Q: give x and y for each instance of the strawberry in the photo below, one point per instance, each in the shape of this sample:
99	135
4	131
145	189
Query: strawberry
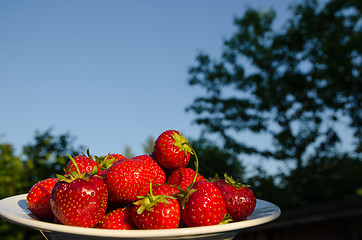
183	177
149	164
126	179
107	161
115	156
118	219
203	205
239	199
38	199
79	199
85	163
172	150
156	212
165	189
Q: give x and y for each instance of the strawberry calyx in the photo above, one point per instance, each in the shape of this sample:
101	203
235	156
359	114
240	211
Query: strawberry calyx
73	175
226	219
235	183
183	196
106	162
214	179
182	143
88	155
148	201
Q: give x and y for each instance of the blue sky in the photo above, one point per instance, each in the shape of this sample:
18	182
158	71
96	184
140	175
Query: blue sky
111	73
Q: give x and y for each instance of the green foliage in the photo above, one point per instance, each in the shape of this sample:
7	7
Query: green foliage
322	179
128	152
48	155
12	172
148	146
12	182
42	159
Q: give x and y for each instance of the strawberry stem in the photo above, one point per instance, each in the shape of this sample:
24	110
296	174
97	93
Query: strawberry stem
196	166
151	197
75	165
193	152
184	145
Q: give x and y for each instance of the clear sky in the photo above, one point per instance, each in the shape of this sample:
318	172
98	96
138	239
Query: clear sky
111	73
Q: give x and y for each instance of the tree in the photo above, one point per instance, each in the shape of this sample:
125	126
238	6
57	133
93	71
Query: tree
128	152
12	182
301	82
48	155
147	148
321	180
42	159
148	145
12	172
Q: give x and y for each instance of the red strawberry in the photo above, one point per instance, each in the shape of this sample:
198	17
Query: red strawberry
86	164
172	150
183	177
239	199
116	156
156	212
118	219
149	164
38	199
107	161
165	189
203	205
126	179
79	199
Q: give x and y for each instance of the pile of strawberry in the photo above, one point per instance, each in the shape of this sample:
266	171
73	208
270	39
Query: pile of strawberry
154	191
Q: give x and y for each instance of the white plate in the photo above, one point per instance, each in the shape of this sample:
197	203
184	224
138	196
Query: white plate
14	209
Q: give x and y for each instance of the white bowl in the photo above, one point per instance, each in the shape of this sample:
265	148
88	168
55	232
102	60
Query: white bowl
14	209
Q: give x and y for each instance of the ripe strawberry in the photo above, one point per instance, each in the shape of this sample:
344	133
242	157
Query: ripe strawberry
149	164
172	150
126	179
239	199
86	164
203	205
116	156
165	189
156	212
183	177
107	161
79	199
118	219
38	199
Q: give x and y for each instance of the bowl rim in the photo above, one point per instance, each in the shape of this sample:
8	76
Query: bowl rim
14	209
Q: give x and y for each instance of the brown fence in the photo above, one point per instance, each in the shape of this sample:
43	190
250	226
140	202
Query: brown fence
332	221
